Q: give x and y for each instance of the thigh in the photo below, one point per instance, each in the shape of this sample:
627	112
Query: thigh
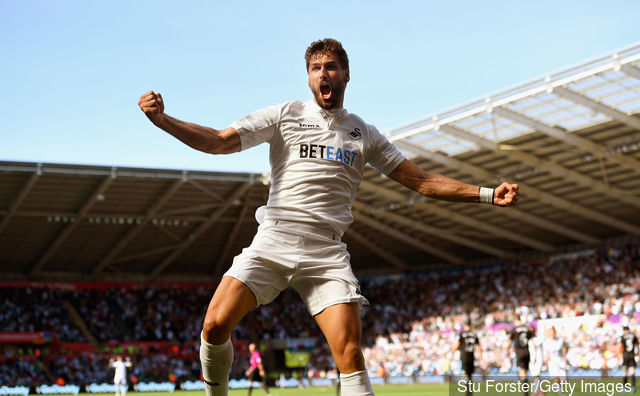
341	326
231	301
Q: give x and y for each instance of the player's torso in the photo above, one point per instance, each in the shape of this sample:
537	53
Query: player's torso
629	343
255	359
469	342
319	141
521	338
553	347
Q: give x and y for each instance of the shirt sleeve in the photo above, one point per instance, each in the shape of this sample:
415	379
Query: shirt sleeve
258	127
381	154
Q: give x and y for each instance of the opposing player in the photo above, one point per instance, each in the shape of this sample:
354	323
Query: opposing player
555	350
629	347
537	359
255	373
520	336
120	376
318	151
468	342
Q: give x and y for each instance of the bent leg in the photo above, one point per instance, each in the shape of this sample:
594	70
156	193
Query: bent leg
341	326
229	304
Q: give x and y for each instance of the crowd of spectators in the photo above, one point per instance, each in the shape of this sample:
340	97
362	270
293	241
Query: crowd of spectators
410	327
16	370
36	309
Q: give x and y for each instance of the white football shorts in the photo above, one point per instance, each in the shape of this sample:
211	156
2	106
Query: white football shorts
535	366
310	258
557	369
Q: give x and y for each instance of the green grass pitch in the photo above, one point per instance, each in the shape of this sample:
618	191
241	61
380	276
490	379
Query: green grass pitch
387	390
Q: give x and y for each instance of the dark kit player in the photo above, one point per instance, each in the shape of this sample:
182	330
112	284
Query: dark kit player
629	345
520	336
467	345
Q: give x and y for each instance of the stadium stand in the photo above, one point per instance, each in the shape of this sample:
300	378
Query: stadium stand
410	327
570	256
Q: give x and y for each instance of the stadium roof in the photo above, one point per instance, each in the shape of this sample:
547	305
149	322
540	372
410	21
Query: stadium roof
570	139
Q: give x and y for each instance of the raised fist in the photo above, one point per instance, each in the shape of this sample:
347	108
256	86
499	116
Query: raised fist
152	105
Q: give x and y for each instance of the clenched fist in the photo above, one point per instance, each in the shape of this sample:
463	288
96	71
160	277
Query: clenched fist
506	194
152	105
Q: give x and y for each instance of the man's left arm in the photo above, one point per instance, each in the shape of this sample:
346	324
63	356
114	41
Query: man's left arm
440	187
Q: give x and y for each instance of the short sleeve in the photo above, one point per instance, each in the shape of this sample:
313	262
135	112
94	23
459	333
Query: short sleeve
381	154
258	127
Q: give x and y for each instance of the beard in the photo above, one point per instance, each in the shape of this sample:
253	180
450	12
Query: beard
337	93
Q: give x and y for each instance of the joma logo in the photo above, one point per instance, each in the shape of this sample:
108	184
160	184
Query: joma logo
302	125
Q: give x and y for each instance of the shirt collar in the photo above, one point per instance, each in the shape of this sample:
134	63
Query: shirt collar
333	113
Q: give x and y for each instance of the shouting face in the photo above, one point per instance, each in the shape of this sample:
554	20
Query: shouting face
327	80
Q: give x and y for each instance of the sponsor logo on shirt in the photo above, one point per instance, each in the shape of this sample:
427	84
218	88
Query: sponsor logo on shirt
355	134
303	125
327	152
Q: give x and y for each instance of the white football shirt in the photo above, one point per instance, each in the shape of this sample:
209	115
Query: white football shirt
317	160
121	370
553	348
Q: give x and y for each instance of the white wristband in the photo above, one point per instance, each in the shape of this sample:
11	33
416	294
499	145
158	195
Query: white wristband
486	195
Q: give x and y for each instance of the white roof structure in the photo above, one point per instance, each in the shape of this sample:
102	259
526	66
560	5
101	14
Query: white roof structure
571	140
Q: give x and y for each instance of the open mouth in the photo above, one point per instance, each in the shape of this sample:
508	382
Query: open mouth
325	90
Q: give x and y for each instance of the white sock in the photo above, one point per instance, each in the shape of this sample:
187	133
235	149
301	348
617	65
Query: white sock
123	390
355	384
216	362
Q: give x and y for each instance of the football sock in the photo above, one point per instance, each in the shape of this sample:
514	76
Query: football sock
526	381
216	361
355	384
625	380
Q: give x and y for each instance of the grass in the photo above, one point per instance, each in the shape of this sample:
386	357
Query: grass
387	390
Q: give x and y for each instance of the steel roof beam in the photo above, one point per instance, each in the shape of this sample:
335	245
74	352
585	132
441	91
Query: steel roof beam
133	232
597	106
146	253
548	166
362	217
68	229
13	208
377	250
462	219
631	70
200	229
229	243
572	139
518	214
189	209
427	229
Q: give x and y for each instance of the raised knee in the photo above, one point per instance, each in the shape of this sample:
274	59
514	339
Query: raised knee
215	330
350	350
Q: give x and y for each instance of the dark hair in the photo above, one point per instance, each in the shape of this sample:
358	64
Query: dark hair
325	46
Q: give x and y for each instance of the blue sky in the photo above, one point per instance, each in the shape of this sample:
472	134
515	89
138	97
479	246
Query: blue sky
72	71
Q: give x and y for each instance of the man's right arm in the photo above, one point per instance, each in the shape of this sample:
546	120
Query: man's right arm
201	138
